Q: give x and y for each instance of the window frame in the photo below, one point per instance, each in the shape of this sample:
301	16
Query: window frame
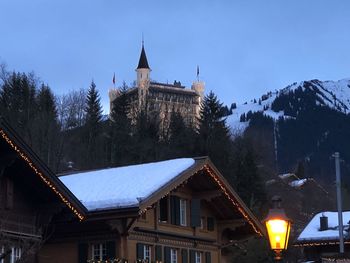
197	257
183	212
101	248
147	248
173	255
16	253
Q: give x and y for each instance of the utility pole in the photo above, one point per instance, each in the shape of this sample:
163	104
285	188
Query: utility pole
339	202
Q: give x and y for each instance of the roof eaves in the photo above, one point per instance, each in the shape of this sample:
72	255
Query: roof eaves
172	184
238	202
41	169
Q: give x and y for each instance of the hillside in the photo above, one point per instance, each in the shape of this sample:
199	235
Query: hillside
302	124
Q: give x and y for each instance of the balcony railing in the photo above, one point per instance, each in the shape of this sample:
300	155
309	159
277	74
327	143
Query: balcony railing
21	225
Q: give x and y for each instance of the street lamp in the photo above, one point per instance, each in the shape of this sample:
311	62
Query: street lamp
278	228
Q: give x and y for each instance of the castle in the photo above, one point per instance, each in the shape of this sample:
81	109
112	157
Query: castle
161	98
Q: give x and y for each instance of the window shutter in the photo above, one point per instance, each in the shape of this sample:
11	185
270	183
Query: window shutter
82	252
207	257
111	250
210	223
167	257
139	251
184	255
195	213
163	209
192	256
9	194
175	210
159	253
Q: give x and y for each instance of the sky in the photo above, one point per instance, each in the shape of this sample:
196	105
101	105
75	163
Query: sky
243	48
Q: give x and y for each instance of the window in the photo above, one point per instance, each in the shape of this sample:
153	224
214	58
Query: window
182	212
210	223
99	251
198	257
173	256
15	254
163	209
2	252
147	253
202	223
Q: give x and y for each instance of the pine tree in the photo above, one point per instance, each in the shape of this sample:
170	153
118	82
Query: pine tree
214	138
46	128
245	175
18	106
181	137
145	143
120	124
92	127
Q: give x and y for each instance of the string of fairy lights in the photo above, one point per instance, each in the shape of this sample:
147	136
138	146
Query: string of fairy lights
42	177
227	194
81	217
312	244
233	201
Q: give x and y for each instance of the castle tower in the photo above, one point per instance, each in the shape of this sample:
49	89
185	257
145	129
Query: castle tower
143	76
198	87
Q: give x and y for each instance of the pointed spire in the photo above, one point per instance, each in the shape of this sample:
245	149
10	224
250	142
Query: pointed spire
143	63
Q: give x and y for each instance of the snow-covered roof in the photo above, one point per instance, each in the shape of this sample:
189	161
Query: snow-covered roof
298	183
312	231
123	187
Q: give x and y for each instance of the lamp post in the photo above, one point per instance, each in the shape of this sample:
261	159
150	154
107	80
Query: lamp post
278	228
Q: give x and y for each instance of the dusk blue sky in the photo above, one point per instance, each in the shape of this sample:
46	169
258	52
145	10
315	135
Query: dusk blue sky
244	48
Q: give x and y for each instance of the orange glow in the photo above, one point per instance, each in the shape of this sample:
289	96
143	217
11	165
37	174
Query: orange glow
278	231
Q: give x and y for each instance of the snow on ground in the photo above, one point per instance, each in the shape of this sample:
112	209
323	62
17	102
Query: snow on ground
312	230
238	127
123	186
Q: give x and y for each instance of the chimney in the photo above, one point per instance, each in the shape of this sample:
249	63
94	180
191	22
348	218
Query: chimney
323	222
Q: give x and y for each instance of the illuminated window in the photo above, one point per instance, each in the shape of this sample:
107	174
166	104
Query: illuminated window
173	256
182	212
99	251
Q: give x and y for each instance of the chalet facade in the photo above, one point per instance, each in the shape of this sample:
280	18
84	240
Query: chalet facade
31	196
160	99
180	210
319	240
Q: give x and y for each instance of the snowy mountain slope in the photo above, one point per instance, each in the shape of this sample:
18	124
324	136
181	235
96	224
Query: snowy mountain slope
332	94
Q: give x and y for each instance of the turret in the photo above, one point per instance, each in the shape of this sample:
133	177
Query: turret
143	77
198	87
143	70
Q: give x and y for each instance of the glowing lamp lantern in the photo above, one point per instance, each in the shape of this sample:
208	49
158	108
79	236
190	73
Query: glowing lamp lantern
278	228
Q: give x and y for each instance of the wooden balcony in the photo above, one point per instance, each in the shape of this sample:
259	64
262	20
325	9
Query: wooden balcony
19	226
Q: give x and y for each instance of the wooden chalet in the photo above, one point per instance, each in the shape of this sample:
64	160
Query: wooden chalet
319	241
180	210
31	196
